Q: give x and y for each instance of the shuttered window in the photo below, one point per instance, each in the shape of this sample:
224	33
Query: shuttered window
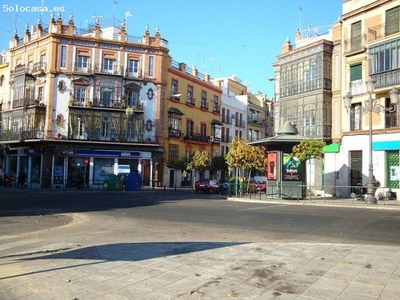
392	21
355	71
356	36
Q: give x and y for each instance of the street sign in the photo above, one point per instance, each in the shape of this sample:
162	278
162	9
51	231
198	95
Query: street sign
86	161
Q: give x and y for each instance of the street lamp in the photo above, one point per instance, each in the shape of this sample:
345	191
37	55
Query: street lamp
370	106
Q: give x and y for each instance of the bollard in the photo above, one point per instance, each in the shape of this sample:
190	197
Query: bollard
165	187
175	187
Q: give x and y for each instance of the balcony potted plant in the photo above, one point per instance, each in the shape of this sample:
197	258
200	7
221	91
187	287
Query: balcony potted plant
129	111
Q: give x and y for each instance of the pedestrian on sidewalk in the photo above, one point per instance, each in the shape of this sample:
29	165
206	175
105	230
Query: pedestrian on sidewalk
21	180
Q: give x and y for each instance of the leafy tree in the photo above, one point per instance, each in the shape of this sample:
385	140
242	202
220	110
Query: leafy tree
200	160
246	156
308	148
219	163
178	164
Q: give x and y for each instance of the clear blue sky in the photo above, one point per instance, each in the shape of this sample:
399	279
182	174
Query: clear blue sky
220	37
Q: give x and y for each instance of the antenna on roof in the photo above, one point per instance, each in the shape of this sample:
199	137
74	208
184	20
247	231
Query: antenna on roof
15	20
114	3
95	16
300	10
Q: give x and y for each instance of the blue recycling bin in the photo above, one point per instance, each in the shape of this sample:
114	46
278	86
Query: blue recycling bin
133	181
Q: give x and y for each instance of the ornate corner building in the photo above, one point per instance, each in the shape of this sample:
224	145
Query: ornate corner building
80	102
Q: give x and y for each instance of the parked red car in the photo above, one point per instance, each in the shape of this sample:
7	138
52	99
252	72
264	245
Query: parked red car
261	186
207	186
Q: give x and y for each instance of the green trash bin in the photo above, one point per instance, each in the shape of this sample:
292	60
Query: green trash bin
112	183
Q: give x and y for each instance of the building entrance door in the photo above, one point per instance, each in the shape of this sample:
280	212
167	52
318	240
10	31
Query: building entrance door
356	168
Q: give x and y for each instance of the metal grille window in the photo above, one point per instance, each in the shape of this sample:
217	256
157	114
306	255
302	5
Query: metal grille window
355	117
173	152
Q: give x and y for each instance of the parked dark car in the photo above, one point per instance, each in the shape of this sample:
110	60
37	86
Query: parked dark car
207	186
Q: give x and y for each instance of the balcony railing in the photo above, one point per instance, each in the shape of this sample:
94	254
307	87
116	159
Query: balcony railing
226	120
226	139
81	69
204	105
381	31
239	123
174	133
8	135
98	68
355	44
387	79
190	101
110	136
197	138
131	74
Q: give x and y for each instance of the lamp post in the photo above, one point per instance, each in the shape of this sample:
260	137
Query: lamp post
276	101
370	106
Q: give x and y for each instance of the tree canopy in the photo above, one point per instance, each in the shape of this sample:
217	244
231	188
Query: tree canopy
246	156
308	148
200	160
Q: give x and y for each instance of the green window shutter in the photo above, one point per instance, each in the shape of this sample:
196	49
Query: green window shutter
392	21
355	71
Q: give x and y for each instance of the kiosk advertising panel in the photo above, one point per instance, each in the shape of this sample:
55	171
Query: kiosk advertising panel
292	168
272	165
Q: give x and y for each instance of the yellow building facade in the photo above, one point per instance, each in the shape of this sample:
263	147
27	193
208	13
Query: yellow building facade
192	121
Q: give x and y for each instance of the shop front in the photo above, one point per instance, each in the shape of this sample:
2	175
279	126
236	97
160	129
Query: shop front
89	168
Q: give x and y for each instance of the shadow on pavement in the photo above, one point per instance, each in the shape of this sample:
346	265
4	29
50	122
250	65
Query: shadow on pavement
98	254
